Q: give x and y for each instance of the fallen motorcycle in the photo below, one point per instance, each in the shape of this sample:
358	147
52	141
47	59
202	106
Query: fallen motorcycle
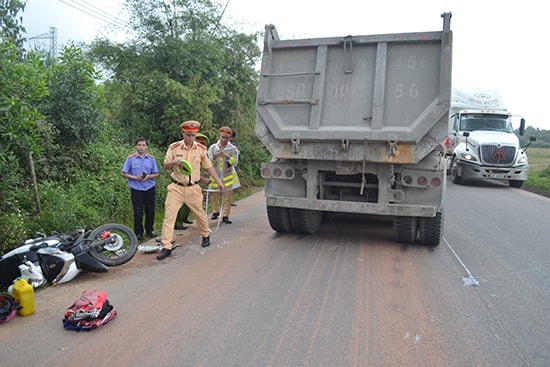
58	258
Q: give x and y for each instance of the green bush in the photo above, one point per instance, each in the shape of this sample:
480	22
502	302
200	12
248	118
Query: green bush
14	230
252	155
88	195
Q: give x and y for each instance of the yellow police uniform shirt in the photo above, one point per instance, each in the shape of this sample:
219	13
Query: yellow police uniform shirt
195	155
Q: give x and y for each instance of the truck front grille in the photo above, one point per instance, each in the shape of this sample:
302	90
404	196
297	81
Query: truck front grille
492	154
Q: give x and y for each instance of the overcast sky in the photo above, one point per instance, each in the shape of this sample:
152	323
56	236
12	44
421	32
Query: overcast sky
496	44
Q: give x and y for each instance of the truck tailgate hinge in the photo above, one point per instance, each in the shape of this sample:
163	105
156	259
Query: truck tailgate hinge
392	144
295	144
345	145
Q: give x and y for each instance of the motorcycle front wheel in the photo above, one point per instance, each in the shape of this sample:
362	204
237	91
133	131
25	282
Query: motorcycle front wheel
119	250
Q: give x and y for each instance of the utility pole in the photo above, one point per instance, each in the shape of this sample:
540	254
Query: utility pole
52	36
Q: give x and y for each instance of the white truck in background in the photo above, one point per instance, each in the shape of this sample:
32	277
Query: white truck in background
354	125
481	142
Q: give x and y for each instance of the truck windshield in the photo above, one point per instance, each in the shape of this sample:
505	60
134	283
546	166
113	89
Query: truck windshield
486	123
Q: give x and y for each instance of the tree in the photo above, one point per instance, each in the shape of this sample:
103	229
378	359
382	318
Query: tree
11	26
159	20
22	128
22	85
144	101
543	137
73	105
73	108
183	65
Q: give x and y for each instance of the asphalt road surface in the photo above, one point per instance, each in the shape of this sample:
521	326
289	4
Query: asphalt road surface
346	296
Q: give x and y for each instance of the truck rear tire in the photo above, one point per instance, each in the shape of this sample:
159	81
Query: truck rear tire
305	221
454	171
515	183
279	219
431	229
405	229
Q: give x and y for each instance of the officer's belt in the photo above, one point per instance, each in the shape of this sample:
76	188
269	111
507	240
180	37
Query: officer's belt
191	183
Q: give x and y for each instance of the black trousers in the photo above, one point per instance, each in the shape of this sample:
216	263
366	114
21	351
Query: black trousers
143	201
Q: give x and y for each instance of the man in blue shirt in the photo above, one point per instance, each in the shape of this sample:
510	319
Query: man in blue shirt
140	168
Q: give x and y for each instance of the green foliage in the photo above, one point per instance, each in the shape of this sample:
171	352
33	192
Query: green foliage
153	105
22	85
10	183
252	154
72	111
86	203
543	137
73	104
540	180
94	194
11	25
539	168
184	66
22	132
158	19
14	230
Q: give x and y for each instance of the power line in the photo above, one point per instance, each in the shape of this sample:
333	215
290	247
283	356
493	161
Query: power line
102	12
97	13
220	17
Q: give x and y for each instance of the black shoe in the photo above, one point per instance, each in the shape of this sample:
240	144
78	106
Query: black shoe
215	215
233	204
152	234
164	254
205	241
160	241
226	220
179	227
187	221
139	237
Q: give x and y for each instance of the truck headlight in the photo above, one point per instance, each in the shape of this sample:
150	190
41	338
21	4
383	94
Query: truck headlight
522	160
468	157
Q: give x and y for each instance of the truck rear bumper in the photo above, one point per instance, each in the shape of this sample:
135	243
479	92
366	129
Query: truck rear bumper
476	172
352	207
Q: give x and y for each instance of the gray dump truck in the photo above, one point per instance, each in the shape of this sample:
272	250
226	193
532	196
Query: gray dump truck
354	125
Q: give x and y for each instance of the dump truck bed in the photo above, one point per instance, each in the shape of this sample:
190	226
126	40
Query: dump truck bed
355	97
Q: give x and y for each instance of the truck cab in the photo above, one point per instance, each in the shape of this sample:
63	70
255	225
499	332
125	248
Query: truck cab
481	142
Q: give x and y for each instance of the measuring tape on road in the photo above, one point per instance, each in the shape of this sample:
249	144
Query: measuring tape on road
206	210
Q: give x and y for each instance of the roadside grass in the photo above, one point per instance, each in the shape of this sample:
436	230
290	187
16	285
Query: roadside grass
539	168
